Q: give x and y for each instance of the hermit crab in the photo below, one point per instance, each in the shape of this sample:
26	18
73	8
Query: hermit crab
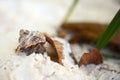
37	42
33	41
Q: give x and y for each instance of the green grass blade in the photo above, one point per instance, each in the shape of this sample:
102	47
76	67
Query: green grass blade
74	3
109	32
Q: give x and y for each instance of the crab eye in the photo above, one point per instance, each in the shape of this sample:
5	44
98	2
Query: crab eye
24	32
35	39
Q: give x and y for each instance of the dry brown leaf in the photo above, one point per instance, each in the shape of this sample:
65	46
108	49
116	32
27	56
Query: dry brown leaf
89	32
93	57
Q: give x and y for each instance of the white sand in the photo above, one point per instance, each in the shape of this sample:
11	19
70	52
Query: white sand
40	67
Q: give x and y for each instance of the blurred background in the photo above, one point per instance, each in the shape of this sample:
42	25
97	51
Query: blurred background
45	13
